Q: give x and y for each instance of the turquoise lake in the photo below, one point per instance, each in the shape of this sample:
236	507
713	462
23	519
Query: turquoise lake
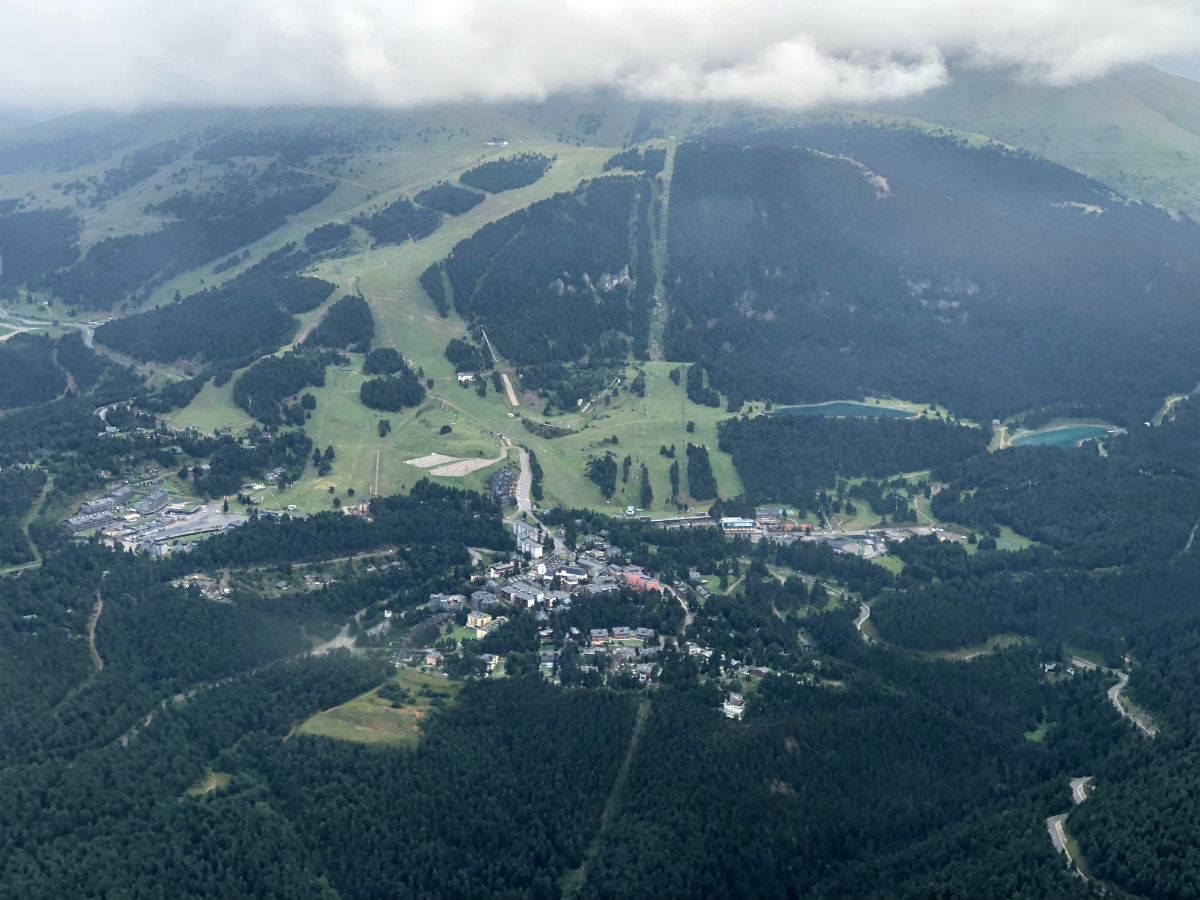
838	408
1062	437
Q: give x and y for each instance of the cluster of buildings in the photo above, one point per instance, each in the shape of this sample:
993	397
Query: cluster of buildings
151	523
868	543
770	524
633	652
550	587
485	623
594	571
101	511
602	636
208	587
529	540
580	655
502	485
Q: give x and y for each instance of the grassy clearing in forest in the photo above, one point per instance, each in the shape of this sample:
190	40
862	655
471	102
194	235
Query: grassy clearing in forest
372	719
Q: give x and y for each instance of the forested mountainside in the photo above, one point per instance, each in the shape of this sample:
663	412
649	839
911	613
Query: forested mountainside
1136	129
987	281
858	768
568	278
833	261
316	431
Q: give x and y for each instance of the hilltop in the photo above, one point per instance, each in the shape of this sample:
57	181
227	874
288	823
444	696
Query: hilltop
1136	129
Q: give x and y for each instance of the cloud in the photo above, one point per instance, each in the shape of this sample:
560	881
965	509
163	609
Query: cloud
786	53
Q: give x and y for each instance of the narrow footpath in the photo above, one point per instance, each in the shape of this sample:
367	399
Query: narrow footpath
93	621
342	639
572	882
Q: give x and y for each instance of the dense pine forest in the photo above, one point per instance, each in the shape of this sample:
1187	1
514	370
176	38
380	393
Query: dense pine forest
398	222
449	199
796	457
234	324
568	260
776	300
508	173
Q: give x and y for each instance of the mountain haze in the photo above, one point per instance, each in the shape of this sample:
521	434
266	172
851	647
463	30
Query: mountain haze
1136	129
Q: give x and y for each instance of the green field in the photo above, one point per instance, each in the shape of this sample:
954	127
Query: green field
211	409
407	320
1010	540
210	783
370	719
1038	734
893	564
341	419
462	632
641	425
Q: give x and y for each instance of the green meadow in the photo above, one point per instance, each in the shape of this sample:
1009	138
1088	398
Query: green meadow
371	719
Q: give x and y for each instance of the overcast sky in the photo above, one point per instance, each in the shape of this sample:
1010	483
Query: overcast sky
74	53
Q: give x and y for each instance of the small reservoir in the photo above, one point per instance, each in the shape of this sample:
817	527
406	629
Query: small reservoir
844	408
1067	437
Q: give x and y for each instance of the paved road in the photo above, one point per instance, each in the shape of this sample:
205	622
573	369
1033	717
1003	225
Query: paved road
863	615
102	412
1057	836
1079	788
1057	829
1114	695
524	484
524	503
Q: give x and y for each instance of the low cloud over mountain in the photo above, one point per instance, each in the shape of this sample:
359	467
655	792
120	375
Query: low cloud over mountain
384	52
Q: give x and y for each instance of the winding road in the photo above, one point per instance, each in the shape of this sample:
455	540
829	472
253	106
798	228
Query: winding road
1057	829
1058	837
1114	696
863	614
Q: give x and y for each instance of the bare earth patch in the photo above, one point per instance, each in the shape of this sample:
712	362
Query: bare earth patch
431	460
464	466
